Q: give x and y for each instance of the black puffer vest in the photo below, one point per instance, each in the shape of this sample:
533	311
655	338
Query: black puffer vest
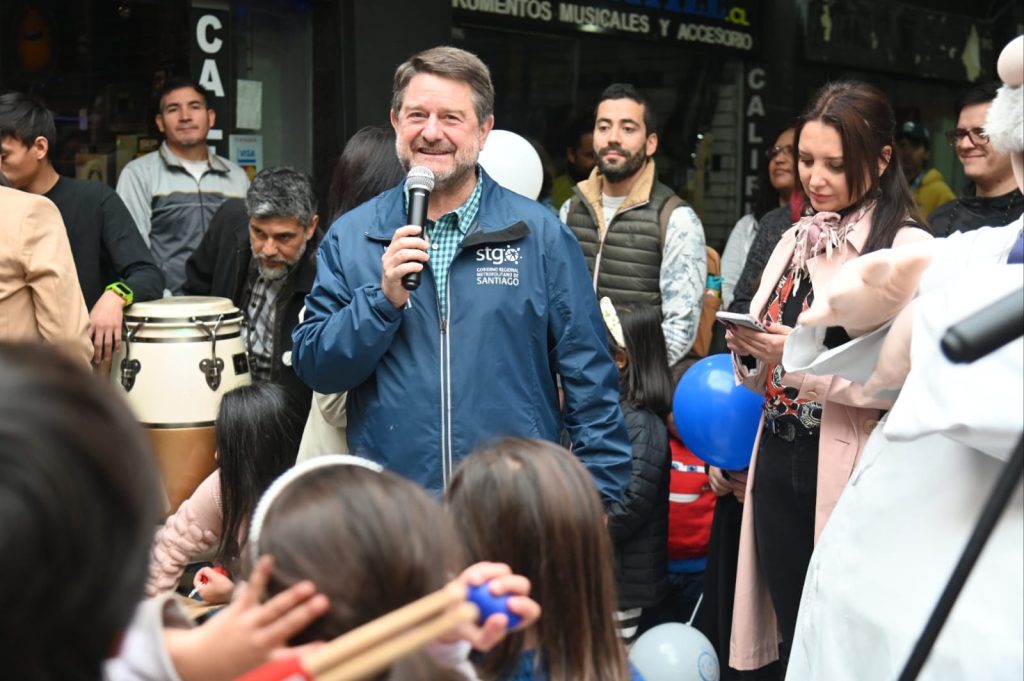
630	261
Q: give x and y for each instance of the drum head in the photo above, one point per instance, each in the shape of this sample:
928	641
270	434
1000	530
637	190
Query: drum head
180	308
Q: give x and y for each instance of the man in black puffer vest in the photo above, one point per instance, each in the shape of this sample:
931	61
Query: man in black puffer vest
616	215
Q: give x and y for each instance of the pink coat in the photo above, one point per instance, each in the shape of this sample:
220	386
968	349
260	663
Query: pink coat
193	529
848	417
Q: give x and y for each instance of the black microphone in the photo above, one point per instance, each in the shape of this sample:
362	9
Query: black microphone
985	331
419	183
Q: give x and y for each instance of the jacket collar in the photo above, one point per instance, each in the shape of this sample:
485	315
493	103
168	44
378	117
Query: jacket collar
215	162
639	194
971	199
494	214
305	271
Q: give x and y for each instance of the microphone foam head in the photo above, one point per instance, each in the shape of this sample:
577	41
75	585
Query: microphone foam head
420	177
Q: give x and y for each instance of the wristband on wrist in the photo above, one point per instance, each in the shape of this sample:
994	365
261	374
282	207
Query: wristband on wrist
121	289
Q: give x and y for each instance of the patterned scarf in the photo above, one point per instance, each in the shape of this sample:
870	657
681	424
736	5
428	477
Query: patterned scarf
822	233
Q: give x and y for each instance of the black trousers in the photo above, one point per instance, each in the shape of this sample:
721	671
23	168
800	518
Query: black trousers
715	616
785	484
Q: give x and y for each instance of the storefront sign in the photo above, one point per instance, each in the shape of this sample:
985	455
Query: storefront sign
754	143
209	60
725	24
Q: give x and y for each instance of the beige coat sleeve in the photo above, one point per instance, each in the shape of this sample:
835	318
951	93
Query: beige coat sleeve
50	274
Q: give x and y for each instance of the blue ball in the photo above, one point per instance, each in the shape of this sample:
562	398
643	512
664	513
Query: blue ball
490	604
716	418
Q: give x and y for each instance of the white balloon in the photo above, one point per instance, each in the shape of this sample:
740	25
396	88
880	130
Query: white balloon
674	652
513	163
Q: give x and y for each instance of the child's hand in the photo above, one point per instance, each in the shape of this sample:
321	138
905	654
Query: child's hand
502	582
213	585
246	633
728	482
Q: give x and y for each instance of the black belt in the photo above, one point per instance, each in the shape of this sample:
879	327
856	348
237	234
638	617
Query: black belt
787	430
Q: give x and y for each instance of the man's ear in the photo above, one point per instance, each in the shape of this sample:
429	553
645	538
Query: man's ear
312	227
652	144
160	122
621	359
212	116
485	130
40	147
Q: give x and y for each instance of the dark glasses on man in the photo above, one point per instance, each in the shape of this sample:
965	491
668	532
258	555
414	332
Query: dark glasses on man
976	135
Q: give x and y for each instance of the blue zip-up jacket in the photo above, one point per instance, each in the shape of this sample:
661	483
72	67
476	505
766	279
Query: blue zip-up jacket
424	392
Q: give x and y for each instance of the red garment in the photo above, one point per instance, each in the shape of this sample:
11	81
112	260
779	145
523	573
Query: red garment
691	504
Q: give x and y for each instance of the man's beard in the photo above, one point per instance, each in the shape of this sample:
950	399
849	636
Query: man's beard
631	165
275	273
465	160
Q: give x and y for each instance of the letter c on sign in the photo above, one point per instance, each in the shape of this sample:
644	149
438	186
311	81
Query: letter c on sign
755	78
203	26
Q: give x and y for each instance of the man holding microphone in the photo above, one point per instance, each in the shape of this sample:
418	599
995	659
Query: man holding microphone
504	304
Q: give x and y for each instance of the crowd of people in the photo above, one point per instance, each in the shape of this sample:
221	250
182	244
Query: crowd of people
510	420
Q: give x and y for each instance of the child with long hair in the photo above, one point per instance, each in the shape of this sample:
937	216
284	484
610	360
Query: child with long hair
256	436
373	542
532	505
638	524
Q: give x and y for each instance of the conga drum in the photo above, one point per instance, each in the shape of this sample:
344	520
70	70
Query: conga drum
177	359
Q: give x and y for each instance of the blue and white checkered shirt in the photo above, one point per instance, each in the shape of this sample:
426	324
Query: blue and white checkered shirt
445	235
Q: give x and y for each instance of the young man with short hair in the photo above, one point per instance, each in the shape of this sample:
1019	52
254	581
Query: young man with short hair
992	198
174	191
113	265
616	215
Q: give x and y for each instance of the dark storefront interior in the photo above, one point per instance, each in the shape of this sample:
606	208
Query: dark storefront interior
324	68
540	89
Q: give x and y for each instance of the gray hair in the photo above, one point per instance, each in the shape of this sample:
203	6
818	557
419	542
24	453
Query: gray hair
451	63
281	193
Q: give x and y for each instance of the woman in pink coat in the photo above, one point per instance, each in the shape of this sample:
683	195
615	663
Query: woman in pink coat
814	427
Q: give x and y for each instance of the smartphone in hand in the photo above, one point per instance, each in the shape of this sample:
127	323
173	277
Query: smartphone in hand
738	319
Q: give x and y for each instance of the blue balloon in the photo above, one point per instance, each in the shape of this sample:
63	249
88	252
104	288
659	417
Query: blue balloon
716	418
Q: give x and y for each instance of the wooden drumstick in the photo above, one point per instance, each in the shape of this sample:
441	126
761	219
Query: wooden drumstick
373	661
366	651
346	646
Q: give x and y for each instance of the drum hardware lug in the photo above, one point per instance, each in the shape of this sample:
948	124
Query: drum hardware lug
130	368
213	367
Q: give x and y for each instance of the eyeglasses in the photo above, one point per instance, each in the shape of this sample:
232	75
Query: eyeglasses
776	150
977	136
